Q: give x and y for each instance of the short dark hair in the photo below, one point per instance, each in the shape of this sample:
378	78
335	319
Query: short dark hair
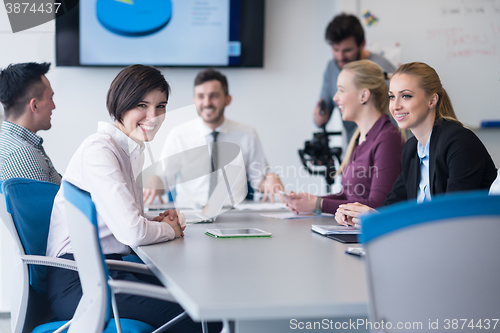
209	75
344	26
130	86
19	83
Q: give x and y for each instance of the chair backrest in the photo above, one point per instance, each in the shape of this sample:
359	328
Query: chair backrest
93	311
25	209
435	261
9	223
30	202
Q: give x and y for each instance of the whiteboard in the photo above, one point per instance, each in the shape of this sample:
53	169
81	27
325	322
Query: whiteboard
460	39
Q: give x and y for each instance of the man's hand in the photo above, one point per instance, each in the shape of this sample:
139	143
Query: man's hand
271	185
152	194
170	213
319	119
152	189
301	202
176	220
349	214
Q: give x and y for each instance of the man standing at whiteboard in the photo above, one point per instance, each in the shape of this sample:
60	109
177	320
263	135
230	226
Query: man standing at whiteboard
347	39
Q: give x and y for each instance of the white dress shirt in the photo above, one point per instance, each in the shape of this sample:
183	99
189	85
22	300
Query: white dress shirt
107	165
495	187
195	133
423	192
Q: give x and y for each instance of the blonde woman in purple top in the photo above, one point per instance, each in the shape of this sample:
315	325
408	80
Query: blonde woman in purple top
373	158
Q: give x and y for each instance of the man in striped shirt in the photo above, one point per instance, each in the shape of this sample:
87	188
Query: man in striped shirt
26	96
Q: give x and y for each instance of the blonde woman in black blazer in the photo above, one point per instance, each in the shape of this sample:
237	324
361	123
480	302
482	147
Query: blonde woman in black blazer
457	159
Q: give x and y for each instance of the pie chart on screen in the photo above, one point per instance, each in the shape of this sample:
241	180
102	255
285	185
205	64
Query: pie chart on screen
134	18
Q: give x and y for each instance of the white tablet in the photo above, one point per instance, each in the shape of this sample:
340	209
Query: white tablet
237	233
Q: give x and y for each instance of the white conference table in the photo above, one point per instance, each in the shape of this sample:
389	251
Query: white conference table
261	283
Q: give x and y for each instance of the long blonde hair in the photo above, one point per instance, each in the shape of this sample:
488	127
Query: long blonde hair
429	82
369	75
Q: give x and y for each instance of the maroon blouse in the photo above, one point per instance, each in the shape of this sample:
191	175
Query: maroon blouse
372	170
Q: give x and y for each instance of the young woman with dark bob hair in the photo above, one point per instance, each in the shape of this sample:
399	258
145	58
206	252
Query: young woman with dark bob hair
107	165
442	157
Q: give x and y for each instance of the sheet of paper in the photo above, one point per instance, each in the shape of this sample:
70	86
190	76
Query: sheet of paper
260	206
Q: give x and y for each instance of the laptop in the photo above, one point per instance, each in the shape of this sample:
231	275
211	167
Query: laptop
198	218
209	213
160	206
221	200
198	214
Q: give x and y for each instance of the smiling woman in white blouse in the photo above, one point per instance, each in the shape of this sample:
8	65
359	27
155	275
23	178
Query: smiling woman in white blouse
108	165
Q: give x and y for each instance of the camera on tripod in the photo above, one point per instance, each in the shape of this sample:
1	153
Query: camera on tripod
317	156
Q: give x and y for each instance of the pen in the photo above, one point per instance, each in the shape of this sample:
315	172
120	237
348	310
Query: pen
345	220
284	195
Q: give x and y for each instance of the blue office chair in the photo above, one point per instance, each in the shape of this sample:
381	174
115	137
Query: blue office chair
26	211
93	312
435	261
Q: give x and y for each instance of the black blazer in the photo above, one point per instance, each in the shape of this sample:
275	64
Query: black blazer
458	161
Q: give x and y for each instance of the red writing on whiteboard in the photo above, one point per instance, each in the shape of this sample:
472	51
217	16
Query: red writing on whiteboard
469	39
444	33
466	53
464	44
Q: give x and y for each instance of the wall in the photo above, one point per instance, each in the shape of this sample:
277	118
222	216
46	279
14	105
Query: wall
277	100
461	40
483	107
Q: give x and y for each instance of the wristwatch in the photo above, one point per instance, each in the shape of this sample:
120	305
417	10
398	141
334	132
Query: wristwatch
317	208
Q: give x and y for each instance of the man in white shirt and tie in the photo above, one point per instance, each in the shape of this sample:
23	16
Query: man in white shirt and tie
211	96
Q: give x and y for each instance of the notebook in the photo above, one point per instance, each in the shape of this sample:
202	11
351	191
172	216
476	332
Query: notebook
334	229
344	238
347	235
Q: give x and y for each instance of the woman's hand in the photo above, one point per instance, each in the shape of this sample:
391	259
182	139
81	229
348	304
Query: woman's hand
342	218
301	202
349	214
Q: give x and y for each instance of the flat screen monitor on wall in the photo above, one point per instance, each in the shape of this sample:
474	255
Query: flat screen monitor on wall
195	33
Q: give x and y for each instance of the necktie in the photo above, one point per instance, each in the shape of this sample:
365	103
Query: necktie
215	164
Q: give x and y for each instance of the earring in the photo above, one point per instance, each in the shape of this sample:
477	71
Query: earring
363	103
